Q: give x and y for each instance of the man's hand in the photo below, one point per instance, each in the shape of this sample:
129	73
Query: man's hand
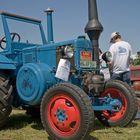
110	66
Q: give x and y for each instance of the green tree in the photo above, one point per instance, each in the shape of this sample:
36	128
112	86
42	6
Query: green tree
136	61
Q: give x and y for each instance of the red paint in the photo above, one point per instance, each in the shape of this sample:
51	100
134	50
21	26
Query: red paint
135	73
71	110
136	85
84	55
115	93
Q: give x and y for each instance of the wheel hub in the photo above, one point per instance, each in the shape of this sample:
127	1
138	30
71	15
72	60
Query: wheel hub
116	104
60	114
63	115
119	104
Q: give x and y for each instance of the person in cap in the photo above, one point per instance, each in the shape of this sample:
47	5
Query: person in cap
121	55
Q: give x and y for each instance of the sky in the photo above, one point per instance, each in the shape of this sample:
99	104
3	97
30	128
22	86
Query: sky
71	16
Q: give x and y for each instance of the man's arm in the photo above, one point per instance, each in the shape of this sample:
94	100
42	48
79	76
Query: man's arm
110	64
130	55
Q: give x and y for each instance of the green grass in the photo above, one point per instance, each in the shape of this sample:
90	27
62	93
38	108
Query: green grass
23	127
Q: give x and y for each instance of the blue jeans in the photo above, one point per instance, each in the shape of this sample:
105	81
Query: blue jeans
125	77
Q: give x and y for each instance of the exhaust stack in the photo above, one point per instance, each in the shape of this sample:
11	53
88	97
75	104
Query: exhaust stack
49	25
93	29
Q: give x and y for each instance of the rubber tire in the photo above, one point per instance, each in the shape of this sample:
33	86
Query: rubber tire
82	101
5	99
132	107
134	97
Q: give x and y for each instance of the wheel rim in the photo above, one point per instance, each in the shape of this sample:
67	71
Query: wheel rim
115	93
63	115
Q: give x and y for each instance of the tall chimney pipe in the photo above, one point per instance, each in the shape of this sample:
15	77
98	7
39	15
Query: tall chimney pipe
49	25
93	29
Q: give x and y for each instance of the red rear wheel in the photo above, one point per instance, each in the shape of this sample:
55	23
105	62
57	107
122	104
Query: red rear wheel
117	94
126	113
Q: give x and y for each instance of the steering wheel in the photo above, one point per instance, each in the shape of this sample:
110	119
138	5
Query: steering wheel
14	36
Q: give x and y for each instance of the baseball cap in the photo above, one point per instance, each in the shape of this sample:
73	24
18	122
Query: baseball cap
114	34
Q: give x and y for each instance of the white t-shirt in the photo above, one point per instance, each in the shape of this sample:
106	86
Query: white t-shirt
121	52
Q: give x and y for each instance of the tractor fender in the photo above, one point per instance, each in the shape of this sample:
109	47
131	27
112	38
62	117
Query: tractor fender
6	63
32	82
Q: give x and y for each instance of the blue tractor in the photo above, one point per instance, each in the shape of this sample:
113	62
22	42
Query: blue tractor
61	80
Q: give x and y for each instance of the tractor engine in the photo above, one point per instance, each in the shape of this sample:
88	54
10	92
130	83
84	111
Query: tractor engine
93	83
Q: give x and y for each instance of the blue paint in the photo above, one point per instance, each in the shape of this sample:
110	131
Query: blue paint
106	103
32	81
6	63
7	34
61	115
34	65
6	16
49	25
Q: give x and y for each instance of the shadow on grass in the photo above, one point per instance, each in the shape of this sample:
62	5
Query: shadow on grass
37	125
133	124
87	138
90	138
99	126
18	121
21	120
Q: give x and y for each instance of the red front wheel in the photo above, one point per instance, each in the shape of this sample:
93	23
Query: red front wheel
126	113
66	112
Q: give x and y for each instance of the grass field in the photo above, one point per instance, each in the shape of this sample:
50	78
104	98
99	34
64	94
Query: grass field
23	127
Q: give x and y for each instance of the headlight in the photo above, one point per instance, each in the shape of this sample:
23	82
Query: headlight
69	51
107	56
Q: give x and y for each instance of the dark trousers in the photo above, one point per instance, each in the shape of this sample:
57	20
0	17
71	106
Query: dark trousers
125	77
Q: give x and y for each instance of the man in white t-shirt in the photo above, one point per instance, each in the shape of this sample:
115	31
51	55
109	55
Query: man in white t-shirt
121	53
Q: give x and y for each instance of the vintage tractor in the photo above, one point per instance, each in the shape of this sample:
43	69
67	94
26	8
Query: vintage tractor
62	80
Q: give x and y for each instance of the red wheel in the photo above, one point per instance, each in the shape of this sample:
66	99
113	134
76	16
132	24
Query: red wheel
66	112
126	113
60	114
117	94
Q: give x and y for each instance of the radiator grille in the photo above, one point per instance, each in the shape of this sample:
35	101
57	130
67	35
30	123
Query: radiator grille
28	58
